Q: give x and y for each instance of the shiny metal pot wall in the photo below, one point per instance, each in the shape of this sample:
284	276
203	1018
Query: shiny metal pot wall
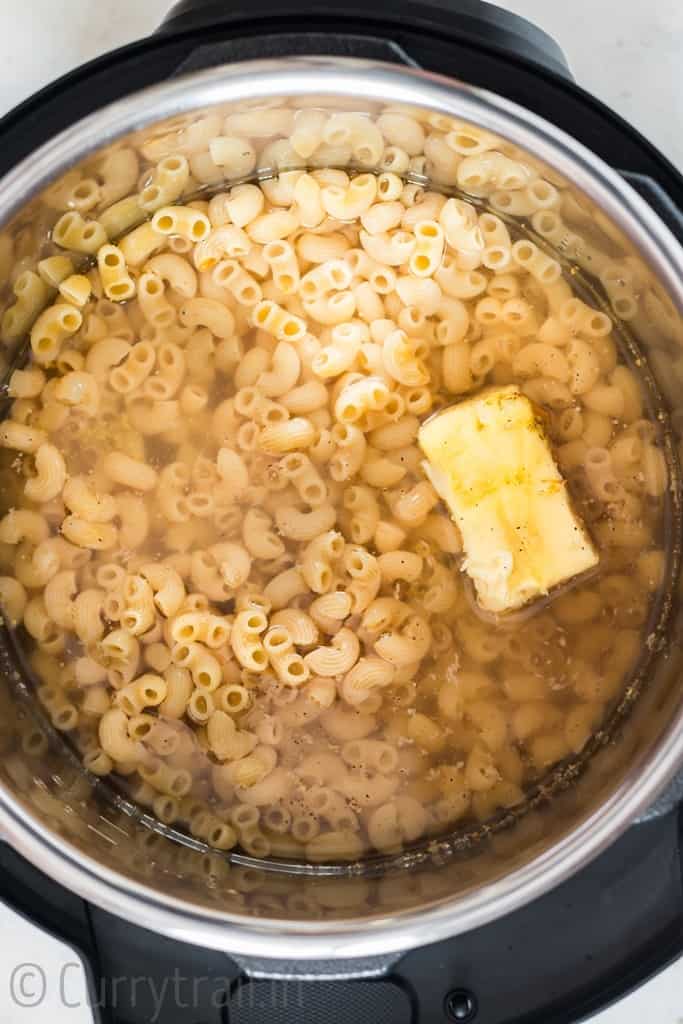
86	837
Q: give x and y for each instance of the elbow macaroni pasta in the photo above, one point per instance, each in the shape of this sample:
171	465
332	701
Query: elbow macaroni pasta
222	513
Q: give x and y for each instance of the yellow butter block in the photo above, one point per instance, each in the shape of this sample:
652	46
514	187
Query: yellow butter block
491	462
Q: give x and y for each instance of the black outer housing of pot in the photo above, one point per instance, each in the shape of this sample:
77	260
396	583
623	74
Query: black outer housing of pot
621	919
468	21
465	39
558	960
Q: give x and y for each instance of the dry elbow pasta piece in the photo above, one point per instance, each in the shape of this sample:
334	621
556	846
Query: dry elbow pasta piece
222	513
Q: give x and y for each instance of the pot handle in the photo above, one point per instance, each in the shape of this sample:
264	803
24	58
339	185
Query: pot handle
338	27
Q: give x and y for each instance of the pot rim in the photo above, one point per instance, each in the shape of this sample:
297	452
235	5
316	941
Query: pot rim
355	938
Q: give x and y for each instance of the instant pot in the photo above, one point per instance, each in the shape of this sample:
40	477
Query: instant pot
542	916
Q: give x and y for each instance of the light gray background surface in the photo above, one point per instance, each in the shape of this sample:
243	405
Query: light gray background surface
628	53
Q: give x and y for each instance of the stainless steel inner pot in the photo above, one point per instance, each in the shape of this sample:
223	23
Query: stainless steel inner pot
87	837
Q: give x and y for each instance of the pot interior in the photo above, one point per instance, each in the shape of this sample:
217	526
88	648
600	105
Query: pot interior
607	261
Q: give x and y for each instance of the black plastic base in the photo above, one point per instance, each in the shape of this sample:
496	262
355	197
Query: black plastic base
472	22
556	961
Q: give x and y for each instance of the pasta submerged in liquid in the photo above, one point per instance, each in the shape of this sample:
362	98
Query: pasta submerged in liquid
242	593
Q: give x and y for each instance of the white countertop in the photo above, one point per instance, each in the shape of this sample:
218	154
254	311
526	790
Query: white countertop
628	54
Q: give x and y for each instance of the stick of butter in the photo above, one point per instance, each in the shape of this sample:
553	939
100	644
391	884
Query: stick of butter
491	462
